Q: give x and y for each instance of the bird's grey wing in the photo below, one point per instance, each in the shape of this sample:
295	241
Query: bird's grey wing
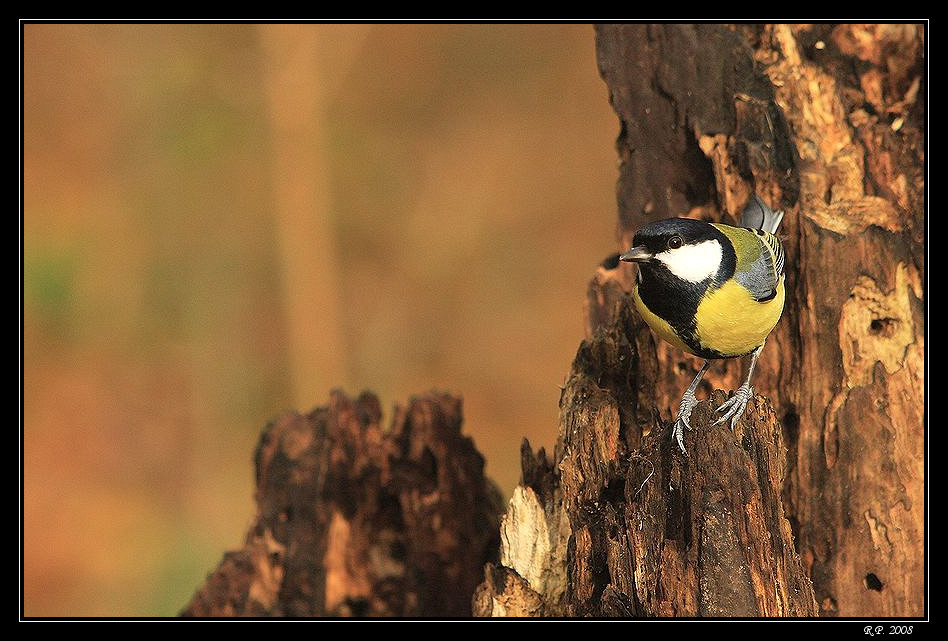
763	276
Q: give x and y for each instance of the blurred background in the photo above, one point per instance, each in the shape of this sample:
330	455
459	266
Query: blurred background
225	222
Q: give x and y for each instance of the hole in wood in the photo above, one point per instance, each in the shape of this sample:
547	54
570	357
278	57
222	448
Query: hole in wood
791	423
873	582
614	492
706	387
829	606
429	466
701	187
611	262
883	326
356	607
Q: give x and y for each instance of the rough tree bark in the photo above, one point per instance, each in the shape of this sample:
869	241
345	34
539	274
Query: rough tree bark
814	504
826	123
619	523
354	520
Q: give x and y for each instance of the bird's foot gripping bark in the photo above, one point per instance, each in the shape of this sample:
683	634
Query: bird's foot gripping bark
688	403
734	406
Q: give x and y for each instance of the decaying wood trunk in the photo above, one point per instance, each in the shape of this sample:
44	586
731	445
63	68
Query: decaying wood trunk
826	123
813	505
620	524
356	520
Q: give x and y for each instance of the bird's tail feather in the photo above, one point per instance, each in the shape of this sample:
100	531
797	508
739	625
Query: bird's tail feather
757	215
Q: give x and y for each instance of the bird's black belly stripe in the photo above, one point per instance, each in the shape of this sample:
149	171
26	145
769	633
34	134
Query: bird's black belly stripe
672	299
676	301
704	352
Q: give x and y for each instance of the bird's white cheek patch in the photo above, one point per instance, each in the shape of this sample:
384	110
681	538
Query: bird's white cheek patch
693	263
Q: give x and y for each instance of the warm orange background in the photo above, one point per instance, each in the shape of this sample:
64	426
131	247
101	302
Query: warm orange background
222	222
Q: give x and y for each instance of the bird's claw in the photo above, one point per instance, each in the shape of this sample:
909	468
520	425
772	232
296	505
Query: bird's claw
683	419
678	433
734	407
688	402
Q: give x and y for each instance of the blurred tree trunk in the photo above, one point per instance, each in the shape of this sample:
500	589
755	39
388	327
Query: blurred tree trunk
303	66
827	123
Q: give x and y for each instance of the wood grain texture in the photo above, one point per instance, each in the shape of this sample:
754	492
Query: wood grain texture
813	505
628	526
355	520
826	480
827	123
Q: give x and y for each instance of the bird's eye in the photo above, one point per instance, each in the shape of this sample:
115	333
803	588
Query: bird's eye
674	242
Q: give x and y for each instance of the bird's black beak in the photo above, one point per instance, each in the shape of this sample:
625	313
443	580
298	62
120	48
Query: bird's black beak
639	254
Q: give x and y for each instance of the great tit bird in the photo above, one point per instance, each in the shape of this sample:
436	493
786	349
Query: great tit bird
712	290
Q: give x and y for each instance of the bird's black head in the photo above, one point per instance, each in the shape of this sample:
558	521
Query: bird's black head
680	259
670	234
681	249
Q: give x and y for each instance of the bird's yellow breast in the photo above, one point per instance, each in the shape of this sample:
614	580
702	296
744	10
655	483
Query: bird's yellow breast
728	321
731	322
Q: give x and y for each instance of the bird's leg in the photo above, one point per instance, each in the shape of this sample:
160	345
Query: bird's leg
735	405
688	402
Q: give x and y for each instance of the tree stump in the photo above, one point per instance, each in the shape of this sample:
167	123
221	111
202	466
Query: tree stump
354	520
824	122
813	505
620	524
